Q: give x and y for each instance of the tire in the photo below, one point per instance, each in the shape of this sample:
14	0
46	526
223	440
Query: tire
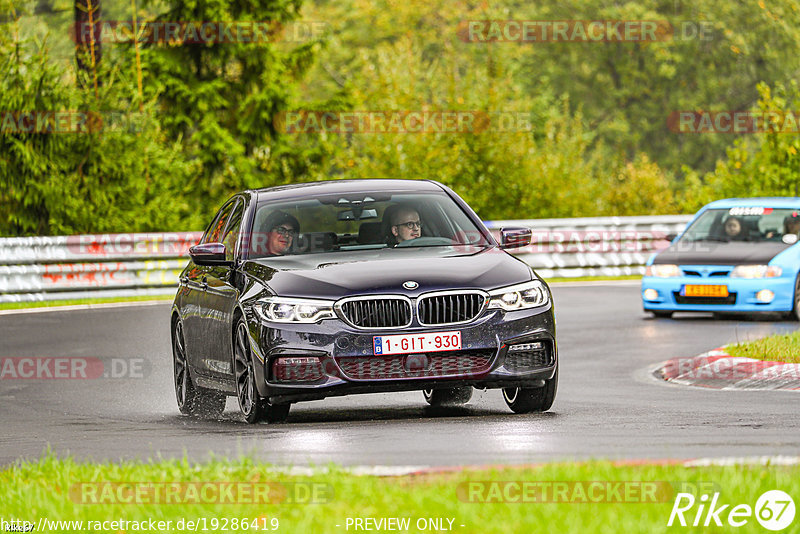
794	315
527	400
661	314
253	407
192	400
448	397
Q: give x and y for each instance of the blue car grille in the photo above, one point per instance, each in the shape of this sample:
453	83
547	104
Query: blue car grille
730	299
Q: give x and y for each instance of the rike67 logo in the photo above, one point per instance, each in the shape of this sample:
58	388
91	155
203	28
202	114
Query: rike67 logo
774	510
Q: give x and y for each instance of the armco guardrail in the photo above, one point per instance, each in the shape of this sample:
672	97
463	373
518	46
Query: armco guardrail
596	246
110	265
67	267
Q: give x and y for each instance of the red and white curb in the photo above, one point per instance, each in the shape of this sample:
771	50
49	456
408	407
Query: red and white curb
717	369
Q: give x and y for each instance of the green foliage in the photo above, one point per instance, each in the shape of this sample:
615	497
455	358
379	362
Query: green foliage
760	164
597	141
114	179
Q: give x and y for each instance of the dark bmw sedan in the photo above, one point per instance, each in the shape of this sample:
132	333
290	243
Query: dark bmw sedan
313	290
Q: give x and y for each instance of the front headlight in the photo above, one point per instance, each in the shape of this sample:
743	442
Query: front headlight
662	271
519	297
756	271
292	310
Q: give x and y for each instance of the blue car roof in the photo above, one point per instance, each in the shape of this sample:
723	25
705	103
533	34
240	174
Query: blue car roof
768	202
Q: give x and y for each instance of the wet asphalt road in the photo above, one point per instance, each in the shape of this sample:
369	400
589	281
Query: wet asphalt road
607	405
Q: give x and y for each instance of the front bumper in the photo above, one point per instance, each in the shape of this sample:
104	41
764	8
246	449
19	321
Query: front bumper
349	366
743	291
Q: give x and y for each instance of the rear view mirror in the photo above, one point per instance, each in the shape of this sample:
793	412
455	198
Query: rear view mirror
515	237
209	254
357	214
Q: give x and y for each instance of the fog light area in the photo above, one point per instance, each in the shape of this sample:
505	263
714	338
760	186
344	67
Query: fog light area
765	295
650	294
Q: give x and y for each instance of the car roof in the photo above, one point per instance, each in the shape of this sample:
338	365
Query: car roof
772	202
345	186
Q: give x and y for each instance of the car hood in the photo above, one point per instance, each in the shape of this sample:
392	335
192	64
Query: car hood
715	253
336	275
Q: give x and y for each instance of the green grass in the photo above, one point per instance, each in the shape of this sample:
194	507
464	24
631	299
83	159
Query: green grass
594	278
777	348
73	302
51	488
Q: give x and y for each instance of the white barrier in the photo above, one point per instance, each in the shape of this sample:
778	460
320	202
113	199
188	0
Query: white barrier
86	266
594	246
68	267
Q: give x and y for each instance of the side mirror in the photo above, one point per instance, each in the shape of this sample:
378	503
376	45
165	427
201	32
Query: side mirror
670	237
209	254
515	237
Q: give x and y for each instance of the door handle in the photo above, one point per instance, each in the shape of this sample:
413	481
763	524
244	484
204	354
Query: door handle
184	280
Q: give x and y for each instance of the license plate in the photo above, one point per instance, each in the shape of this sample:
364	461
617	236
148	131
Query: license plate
705	291
410	343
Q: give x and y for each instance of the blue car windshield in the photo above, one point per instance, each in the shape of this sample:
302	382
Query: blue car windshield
753	224
359	221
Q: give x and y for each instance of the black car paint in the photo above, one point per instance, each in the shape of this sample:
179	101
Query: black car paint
210	298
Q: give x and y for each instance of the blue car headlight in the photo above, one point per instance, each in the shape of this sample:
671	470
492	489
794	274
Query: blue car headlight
663	270
294	310
756	271
519	297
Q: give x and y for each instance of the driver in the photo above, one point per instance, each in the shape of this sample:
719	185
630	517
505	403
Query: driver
791	224
405	224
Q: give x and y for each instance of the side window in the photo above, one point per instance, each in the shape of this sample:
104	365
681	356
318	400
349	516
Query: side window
232	232
214	232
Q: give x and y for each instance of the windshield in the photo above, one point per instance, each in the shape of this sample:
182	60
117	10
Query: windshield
744	224
360	221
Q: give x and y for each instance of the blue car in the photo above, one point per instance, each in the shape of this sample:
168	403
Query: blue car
738	255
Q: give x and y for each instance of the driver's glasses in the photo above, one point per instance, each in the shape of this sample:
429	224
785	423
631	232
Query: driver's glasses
284	231
411	225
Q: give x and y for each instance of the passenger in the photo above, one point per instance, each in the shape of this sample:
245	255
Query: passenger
733	228
281	230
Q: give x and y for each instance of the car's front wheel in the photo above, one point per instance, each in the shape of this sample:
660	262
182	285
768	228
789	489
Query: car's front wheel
526	400
794	315
192	400
254	408
448	397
